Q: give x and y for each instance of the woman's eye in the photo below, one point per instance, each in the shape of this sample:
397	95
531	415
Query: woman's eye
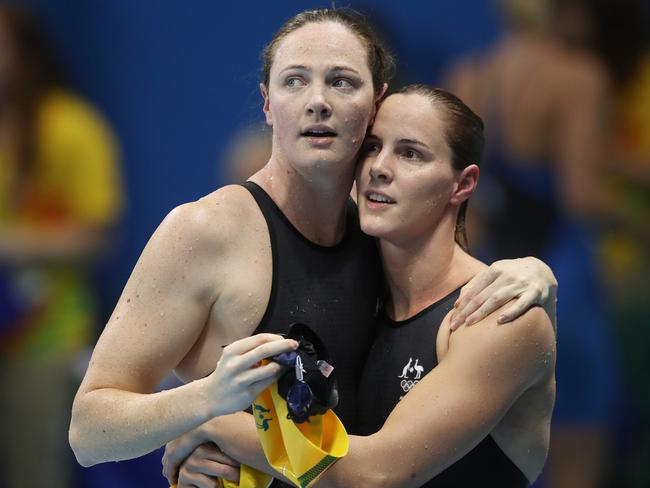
372	148
293	82
343	83
411	154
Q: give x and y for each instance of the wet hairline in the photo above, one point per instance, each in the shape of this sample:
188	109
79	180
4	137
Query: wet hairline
434	107
362	41
336	67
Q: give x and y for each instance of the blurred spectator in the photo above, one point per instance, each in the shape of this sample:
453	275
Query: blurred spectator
248	151
545	90
623	43
59	194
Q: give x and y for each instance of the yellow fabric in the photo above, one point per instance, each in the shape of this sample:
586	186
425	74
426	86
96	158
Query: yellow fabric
300	452
75	180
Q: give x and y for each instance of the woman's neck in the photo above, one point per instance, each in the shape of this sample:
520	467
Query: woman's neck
422	272
315	205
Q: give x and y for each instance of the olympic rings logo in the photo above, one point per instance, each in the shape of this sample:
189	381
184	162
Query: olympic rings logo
407	385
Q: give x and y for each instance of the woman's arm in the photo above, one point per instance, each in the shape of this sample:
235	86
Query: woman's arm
454	406
440	420
157	320
527	280
235	435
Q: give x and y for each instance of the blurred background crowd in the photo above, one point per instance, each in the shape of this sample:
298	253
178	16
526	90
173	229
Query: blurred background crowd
112	113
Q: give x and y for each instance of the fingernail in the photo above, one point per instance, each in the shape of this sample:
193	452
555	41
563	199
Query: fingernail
501	319
454	324
470	320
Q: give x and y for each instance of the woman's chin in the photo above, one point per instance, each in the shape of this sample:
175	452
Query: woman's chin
373	227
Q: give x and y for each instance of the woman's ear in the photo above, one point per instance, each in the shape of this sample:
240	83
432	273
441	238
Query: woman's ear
466	184
265	108
378	98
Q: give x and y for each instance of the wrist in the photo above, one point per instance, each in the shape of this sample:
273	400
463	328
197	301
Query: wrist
207	402
208	432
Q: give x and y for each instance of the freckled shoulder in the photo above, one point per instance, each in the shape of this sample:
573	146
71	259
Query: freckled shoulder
204	239
527	342
536	332
214	226
217	222
233	262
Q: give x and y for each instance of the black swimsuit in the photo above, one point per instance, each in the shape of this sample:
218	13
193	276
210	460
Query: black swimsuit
402	354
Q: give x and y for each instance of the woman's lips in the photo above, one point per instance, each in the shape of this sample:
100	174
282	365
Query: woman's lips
324	140
376	200
319	136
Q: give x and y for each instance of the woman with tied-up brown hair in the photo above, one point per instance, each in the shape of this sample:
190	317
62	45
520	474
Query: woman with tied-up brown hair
251	259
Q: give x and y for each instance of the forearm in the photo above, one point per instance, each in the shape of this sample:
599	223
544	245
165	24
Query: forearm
111	425
373	461
361	468
236	435
454	406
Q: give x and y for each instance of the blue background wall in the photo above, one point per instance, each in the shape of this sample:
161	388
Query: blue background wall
177	78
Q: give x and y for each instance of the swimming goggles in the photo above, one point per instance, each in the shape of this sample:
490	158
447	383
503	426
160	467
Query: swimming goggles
308	386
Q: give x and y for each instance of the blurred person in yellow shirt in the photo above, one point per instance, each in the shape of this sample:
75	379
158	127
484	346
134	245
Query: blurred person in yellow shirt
60	194
625	256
